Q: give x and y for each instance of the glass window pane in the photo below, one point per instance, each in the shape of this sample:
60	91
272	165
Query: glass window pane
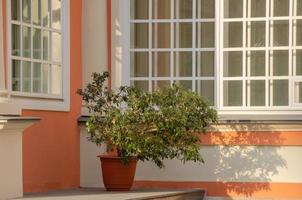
143	85
183	64
258	8
37	43
299	32
299	7
26	77
16	75
281	29
139	35
183	9
139	9
37	78
56	14
183	35
139	64
16	43
233	34
232	93
205	35
299	62
280	63
45	13
26	11
232	66
257	63
205	63
257	89
56	79
161	35
280	92
160	84
56	47
257	34
205	8
45	77
206	89
298	95
36	11
161	64
185	84
46	38
26	42
233	8
281	7
161	9
15	9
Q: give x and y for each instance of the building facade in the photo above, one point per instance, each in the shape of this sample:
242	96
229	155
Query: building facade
243	56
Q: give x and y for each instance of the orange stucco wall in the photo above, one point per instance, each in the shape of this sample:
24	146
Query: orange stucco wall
51	151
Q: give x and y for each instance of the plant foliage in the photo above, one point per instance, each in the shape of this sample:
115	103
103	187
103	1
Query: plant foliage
165	124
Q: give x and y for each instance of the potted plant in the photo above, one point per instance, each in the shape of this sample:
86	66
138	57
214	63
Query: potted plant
143	126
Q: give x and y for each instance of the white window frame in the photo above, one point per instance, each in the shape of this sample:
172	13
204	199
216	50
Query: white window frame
121	65
44	101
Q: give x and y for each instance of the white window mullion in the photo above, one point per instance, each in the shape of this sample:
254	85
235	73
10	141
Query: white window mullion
290	57
244	74
150	61
194	45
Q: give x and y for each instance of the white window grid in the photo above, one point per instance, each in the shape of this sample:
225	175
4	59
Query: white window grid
32	60
219	50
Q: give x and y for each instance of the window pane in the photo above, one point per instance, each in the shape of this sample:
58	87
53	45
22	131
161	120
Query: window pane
299	32
183	9
206	89
299	62
185	84
26	11
280	92
299	7
160	84
161	35
36	11
281	7
161	9
205	63
45	13
161	64
139	9
183	64
36	43
183	35
139	35
280	63
257	34
26	77
56	47
16	75
15	9
45	77
281	29
233	8
26	42
16	43
257	63
233	34
205	8
232	93
56	14
139	64
232	64
56	79
257	89
46	38
37	78
298	95
143	85
205	35
258	8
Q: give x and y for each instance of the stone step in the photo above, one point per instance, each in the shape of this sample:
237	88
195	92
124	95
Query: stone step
196	194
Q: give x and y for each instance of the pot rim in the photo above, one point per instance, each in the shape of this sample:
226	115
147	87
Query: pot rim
114	157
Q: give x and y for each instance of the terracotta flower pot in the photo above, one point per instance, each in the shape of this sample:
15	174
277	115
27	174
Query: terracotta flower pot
116	175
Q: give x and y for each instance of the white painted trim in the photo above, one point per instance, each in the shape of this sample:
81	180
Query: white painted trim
45	102
2	77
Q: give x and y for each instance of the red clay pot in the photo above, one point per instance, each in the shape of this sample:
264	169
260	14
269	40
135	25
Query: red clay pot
116	175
